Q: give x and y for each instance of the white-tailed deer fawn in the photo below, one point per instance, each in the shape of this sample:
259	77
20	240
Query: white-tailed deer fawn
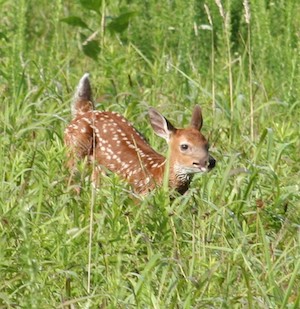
107	139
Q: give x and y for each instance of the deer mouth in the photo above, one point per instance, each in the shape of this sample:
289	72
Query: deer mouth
200	167
207	166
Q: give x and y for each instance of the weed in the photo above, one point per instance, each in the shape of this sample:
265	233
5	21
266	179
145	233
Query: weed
233	240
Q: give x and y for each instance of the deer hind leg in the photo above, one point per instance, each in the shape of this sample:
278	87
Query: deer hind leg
79	146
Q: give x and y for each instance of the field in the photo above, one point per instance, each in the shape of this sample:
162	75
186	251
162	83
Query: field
233	241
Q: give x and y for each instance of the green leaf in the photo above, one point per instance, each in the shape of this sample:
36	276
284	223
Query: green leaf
93	5
91	49
75	21
120	23
3	36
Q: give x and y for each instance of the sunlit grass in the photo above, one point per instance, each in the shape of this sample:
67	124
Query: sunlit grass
233	240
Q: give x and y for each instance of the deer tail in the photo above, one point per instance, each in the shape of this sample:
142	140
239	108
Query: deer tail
83	99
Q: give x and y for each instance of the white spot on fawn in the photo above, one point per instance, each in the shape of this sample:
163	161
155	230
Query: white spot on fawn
87	120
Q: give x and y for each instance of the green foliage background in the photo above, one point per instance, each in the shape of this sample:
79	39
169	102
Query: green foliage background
233	240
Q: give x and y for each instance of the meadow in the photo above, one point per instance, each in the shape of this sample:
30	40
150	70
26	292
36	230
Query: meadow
233	241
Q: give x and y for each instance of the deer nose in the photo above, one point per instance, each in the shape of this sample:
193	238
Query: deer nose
211	162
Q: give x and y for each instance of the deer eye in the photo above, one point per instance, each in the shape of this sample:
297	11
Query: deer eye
184	147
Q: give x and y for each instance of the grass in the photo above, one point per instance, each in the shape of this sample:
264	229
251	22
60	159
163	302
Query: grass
233	240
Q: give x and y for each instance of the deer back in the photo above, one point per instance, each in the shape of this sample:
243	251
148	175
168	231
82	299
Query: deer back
114	144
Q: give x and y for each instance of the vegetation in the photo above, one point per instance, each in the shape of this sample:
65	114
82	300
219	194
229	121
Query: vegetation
233	240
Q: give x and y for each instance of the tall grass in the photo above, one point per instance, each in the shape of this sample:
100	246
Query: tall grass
233	240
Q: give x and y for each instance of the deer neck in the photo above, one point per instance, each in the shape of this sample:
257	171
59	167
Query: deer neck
178	180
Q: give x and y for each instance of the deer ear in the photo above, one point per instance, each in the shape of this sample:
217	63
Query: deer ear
197	120
161	126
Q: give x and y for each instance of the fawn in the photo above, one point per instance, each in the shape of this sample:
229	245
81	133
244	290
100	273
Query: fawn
108	140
